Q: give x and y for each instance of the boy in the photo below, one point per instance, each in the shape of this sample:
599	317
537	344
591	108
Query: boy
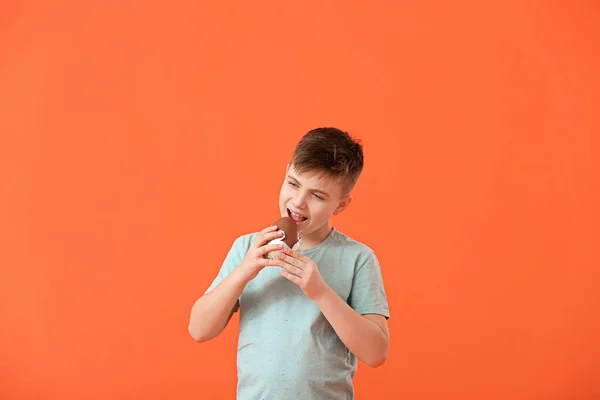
306	316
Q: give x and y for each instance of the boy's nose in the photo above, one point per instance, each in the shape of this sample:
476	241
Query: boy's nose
299	201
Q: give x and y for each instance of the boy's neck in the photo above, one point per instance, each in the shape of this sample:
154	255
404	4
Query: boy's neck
315	238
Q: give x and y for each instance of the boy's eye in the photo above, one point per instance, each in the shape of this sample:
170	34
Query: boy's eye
316	195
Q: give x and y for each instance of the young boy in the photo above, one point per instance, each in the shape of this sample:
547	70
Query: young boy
306	316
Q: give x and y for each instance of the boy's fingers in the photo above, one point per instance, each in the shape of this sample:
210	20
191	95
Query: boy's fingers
273	235
266	239
265	262
291	277
269	228
290	260
296	255
268	248
292	269
261	239
265	231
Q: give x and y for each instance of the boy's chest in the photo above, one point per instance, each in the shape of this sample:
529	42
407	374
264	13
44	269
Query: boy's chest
270	286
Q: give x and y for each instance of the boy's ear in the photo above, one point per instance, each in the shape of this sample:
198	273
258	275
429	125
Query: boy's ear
344	203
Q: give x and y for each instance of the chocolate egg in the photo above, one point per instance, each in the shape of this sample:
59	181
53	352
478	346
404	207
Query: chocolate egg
288	225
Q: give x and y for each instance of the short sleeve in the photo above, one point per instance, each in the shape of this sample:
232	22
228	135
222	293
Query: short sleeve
234	257
368	293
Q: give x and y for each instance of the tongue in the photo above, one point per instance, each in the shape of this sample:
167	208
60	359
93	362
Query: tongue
297	219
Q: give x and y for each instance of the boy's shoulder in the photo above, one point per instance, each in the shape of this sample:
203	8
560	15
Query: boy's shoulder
354	250
348	243
243	241
351	243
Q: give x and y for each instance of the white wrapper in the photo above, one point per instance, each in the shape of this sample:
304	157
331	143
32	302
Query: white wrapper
271	255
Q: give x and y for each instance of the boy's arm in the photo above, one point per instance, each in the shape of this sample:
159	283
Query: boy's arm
211	312
366	336
236	307
361	323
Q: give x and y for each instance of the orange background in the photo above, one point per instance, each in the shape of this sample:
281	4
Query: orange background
138	139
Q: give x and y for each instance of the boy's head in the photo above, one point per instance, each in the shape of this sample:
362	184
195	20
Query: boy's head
323	170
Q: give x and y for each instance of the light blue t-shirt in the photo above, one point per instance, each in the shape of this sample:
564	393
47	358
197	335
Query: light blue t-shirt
286	348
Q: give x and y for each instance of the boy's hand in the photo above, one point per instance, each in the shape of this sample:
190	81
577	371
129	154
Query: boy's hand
303	272
255	260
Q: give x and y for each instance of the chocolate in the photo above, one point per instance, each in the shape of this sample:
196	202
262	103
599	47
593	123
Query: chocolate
289	239
289	227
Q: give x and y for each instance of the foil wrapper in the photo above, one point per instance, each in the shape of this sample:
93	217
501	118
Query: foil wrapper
272	254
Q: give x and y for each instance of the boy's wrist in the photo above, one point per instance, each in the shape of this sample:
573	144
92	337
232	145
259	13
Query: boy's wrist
241	276
324	295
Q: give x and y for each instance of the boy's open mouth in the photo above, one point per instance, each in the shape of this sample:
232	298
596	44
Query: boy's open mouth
296	217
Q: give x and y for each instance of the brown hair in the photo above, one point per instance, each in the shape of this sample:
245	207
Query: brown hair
332	153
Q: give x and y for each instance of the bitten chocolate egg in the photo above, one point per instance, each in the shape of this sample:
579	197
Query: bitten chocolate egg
289	227
289	237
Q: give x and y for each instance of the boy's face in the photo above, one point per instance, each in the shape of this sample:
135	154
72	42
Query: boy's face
311	202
